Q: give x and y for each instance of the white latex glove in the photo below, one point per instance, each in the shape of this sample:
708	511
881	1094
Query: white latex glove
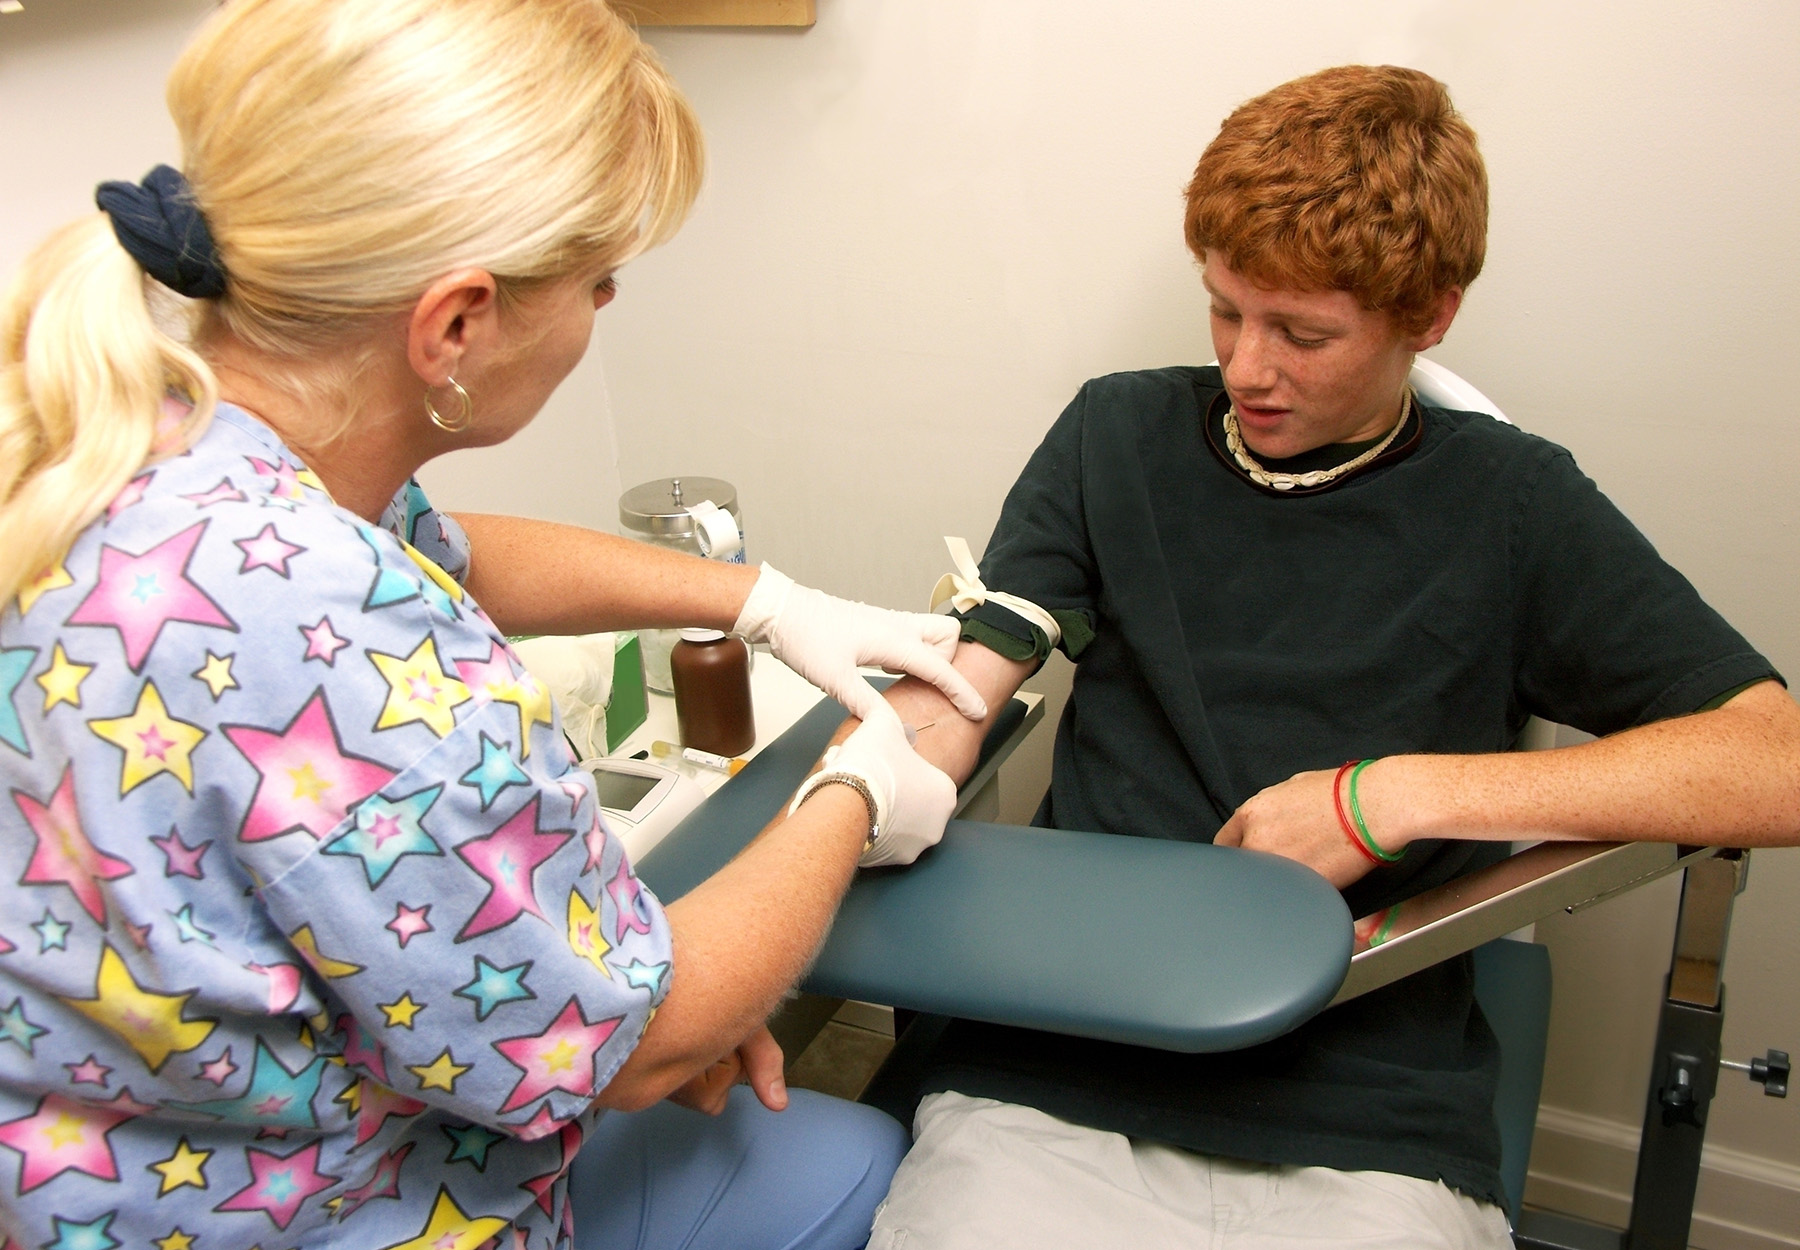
913	800
824	639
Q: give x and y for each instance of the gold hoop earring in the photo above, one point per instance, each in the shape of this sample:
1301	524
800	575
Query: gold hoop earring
465	414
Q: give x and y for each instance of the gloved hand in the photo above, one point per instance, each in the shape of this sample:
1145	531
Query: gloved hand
824	639
913	800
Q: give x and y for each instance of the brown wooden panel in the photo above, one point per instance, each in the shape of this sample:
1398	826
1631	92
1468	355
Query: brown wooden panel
718	12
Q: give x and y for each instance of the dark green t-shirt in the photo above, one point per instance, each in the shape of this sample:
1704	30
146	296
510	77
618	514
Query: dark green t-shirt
1431	603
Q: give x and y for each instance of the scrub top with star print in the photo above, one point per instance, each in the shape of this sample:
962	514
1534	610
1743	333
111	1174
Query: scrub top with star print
311	933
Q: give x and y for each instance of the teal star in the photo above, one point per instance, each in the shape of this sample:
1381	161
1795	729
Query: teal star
187	929
15	1028
472	1142
92	1236
493	986
15	662
642	976
393	585
276	1097
387	829
53	934
495	772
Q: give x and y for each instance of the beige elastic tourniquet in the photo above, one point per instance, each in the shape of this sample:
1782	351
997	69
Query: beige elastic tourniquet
963	590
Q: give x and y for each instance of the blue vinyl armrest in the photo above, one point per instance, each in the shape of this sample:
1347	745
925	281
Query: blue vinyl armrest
1179	945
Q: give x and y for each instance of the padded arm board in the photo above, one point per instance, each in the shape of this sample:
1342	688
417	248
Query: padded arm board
1179	945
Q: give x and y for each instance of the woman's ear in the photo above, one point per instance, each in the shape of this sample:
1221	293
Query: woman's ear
456	313
1443	312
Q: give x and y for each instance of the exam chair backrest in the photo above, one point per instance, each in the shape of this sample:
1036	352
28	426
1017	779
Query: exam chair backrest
1441	388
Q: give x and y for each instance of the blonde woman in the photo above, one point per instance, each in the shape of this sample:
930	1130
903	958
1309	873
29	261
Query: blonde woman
311	934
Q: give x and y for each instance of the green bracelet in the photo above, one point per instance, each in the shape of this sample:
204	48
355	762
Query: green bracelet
1363	829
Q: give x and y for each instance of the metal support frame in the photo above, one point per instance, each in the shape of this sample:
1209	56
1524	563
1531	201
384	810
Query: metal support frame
1571	877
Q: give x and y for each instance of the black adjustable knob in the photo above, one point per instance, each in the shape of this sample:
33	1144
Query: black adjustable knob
1771	1071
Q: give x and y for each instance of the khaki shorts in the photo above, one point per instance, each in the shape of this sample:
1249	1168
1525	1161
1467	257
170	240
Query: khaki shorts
987	1175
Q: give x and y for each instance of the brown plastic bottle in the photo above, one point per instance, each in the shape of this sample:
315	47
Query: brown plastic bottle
711	674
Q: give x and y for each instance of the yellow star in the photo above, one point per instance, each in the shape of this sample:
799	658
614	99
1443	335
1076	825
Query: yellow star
585	937
532	698
446	583
307	782
449	1228
62	681
66	1131
418	690
401	1011
153	741
150	1023
186	1166
53	578
440	1073
561	1057
324	965
216	673
176	1240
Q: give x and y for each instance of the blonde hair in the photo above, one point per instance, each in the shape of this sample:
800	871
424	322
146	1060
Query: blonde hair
345	154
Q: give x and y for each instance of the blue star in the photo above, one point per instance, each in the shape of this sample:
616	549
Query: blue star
144	587
187	930
15	1028
495	772
642	976
14	663
387	829
276	1097
83	1236
493	986
472	1143
52	933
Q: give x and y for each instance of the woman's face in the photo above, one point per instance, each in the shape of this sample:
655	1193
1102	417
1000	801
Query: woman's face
1307	368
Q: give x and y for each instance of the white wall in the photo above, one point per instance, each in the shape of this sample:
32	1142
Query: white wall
927	221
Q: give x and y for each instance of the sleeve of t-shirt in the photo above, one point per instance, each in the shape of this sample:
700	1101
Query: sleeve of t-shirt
1040	549
1611	636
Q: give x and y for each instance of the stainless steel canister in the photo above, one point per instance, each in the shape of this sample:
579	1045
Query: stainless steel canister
659	512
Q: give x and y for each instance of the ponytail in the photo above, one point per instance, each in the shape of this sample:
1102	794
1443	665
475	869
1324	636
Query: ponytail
84	372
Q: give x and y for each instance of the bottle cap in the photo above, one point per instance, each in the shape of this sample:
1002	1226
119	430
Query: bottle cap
702	635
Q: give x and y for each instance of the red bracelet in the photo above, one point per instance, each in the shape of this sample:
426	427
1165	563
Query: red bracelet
1337	799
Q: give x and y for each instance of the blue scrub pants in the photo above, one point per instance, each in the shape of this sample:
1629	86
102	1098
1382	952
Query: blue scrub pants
808	1178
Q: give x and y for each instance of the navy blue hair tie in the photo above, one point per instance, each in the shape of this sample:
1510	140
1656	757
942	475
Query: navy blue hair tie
158	222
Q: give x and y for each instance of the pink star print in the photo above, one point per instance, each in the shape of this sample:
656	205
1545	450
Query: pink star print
544	1186
307	780
139	594
284	479
284	985
360	1048
133	492
64	856
384	1184
267	551
63	1135
624	889
561	1057
184	860
279	1184
89	1071
219	1070
409	922
224	492
376	1104
506	860
321	642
